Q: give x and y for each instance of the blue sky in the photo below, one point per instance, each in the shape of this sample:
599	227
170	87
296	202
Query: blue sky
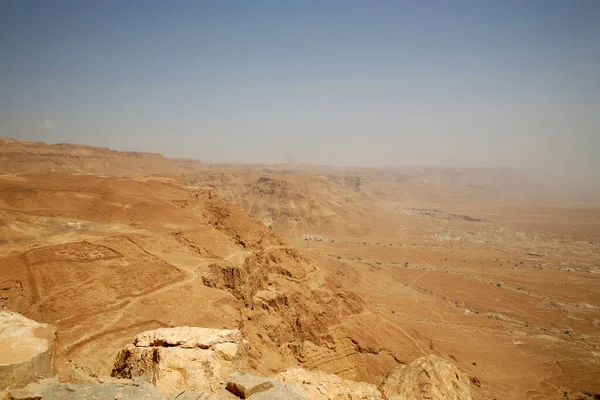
461	83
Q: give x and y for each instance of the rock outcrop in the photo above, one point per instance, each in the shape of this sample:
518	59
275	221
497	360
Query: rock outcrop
322	386
301	384
200	363
27	350
431	378
178	359
286	303
187	337
260	388
51	389
205	362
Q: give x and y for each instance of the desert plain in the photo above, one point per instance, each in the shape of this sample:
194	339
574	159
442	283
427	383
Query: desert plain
350	271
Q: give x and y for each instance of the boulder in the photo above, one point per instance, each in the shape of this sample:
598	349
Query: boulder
320	385
27	350
260	388
430	377
246	385
180	359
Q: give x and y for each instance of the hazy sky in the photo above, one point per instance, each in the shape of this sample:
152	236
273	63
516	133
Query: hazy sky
469	83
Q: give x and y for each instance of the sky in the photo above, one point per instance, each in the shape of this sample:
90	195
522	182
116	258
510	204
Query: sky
350	83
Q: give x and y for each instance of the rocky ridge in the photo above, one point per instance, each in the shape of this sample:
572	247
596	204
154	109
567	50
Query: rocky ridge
177	359
200	363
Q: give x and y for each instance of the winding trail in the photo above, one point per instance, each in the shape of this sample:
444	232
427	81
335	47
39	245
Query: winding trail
190	276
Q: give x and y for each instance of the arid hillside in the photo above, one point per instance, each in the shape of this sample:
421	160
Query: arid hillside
292	205
30	157
105	258
444	184
347	271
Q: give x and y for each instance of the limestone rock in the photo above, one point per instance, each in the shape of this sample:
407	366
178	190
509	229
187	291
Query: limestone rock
269	299
179	359
33	391
320	385
27	350
428	377
246	385
261	388
75	375
282	391
227	350
53	389
186	337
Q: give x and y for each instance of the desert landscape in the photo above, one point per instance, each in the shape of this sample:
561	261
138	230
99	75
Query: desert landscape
346	271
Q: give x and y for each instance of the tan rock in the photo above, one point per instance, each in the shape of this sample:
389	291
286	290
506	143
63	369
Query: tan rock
227	350
197	362
110	379
49	389
186	337
24	394
246	385
282	391
195	369
75	375
430	377
320	385
28	350
33	391
269	299
137	362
